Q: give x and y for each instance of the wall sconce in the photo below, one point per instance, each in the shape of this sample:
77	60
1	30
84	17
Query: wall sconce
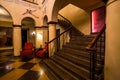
33	33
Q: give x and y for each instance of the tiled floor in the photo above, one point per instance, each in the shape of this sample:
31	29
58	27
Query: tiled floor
12	68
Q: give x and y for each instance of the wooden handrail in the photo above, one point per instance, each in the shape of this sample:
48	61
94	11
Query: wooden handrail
59	35
65	18
92	43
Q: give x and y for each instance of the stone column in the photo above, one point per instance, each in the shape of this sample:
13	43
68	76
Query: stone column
52	35
112	56
17	39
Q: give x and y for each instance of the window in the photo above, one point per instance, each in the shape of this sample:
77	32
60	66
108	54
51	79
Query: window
98	19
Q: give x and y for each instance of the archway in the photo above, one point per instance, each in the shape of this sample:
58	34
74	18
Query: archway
28	30
6	30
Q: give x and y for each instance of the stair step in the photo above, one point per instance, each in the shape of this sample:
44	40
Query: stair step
49	72
76	70
76	52
78	61
79	43
76	47
59	70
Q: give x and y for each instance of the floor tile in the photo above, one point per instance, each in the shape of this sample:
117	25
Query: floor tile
26	59
36	68
6	63
43	77
3	71
34	60
30	75
17	64
27	66
14	75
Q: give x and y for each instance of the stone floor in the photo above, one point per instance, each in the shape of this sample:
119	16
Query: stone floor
15	68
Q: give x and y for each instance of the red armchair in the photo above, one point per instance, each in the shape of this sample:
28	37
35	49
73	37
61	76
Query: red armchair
27	50
43	53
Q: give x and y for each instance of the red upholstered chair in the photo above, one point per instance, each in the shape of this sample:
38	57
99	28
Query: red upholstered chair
27	50
43	53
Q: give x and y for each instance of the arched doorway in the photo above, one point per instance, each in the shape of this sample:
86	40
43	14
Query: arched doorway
6	30
28	30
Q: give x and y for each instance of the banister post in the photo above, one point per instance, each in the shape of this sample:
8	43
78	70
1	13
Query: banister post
92	64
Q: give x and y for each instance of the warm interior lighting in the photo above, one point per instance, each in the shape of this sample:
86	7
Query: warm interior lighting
40	36
33	33
93	21
98	19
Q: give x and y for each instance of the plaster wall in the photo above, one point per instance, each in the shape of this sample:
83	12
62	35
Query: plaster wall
112	56
79	17
16	10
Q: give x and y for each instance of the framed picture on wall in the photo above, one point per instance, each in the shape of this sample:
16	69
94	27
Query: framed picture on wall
97	19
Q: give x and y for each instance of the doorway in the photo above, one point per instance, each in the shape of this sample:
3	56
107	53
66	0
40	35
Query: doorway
58	39
28	30
24	36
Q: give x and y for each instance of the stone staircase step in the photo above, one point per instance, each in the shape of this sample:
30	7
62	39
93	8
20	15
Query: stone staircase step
76	70
78	61
76	47
60	71
76	52
52	75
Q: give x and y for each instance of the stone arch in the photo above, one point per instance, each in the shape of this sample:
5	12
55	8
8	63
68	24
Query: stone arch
57	7
6	30
5	14
28	30
29	19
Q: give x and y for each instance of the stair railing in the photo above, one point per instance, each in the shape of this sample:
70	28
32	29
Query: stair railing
63	18
63	36
97	50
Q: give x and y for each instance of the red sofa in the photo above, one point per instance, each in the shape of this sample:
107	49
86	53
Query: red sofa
43	53
27	50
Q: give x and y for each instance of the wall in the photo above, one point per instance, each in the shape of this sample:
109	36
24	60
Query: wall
79	18
16	10
112	56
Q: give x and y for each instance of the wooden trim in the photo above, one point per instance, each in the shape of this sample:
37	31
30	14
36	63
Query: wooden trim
60	34
91	44
65	18
52	22
41	26
14	25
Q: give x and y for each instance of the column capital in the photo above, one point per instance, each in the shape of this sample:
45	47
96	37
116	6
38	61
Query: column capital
41	26
52	22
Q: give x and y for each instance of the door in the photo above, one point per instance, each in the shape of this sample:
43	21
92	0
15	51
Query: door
24	36
58	40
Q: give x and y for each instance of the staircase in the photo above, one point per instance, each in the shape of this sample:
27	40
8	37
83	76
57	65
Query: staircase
72	62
